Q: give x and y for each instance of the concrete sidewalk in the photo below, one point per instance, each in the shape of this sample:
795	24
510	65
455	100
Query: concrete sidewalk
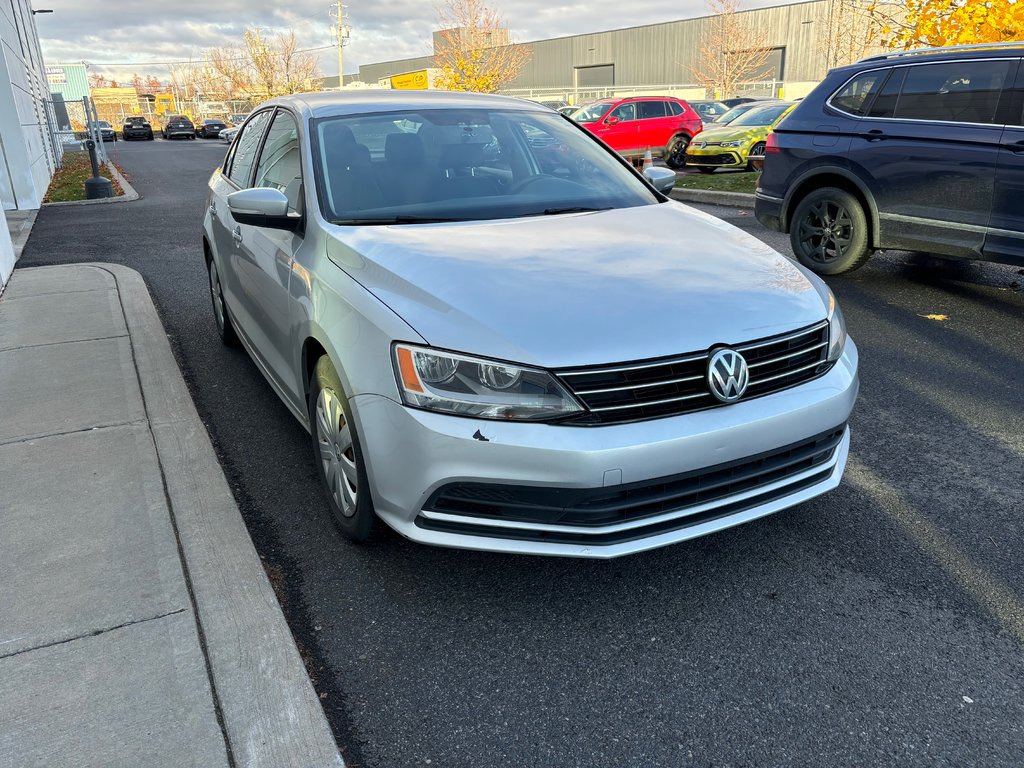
137	626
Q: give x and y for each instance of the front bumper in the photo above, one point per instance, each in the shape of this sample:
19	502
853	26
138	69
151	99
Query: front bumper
412	454
717	157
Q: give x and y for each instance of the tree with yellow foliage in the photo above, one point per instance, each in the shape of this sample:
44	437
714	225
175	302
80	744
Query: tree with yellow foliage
473	50
933	23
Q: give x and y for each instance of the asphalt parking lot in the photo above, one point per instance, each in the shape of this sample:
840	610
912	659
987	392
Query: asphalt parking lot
880	625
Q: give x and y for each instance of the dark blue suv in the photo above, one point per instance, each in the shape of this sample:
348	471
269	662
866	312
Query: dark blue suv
920	150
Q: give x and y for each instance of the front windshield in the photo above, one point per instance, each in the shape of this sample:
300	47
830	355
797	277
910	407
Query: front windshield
433	165
103	124
591	113
761	116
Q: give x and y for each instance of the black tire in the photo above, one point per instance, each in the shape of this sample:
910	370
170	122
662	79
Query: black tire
757	149
675	154
338	454
829	232
705	169
221	318
150	137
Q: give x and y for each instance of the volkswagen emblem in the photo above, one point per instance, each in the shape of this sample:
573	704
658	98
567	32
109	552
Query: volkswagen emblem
728	375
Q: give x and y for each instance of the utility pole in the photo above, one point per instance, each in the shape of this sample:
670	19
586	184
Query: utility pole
343	34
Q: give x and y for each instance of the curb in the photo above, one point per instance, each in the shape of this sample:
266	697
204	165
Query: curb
712	197
271	714
129	193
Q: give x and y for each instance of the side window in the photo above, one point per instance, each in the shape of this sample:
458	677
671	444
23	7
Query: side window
676	108
280	166
961	92
855	96
885	103
245	149
650	109
625	111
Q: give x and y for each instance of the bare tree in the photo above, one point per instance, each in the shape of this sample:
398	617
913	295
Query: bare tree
474	50
96	80
731	50
846	31
263	66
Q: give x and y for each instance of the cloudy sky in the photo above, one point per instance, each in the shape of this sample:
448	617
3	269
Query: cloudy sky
128	37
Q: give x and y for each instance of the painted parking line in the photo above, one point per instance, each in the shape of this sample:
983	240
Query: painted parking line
997	598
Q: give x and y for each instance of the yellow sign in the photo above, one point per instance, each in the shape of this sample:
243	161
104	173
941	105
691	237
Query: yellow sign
411	81
165	102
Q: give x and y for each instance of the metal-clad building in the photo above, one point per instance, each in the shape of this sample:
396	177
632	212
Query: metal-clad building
69	80
655	55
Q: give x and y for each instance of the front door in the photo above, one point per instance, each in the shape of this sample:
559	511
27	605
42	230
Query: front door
265	255
1005	239
618	129
931	141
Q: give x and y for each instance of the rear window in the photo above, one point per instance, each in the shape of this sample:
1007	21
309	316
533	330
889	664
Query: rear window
960	92
676	108
652	109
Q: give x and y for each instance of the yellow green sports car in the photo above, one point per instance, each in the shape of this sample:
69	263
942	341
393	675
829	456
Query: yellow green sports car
730	146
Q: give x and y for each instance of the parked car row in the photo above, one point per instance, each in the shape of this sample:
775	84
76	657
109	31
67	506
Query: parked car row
136	127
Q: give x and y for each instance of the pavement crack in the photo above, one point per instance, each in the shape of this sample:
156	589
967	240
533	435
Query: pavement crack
69	341
92	633
33	438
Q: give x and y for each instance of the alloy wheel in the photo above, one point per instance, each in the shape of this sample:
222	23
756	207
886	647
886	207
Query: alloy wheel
337	453
826	232
677	155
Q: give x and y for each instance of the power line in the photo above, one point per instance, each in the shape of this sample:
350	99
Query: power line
190	61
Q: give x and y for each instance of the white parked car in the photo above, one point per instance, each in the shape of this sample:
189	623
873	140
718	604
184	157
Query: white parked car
397	265
227	135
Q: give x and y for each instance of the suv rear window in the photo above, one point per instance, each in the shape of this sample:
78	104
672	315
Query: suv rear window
960	92
652	109
676	108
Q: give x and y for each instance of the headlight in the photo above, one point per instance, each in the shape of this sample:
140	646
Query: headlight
836	329
734	143
472	386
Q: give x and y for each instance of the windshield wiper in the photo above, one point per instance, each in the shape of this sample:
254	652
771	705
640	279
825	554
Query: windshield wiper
384	221
573	209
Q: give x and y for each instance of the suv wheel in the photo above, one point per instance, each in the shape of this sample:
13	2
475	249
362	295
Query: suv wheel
829	232
675	157
338	455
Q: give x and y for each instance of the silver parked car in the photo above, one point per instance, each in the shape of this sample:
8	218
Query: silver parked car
396	264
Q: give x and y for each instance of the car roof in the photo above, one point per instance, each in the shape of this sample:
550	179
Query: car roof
364	101
930	55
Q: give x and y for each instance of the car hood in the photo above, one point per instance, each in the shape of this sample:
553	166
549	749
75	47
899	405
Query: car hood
581	289
722	133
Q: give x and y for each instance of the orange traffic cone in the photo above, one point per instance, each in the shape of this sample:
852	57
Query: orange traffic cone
648	160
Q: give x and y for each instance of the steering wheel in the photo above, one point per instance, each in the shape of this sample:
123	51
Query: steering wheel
529	181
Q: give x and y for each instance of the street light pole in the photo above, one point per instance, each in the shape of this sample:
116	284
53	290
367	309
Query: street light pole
341	44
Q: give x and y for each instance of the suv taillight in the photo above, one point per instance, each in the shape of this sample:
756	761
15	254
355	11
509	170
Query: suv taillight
771	144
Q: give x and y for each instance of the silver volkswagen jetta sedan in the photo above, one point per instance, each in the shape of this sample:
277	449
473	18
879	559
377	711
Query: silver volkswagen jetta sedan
501	337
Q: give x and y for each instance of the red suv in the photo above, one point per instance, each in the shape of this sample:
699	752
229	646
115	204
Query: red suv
632	126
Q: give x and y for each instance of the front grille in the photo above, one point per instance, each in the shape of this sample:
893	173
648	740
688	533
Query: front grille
725	158
652	389
806	463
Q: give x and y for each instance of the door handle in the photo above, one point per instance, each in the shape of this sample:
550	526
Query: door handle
1016	147
213	210
874	135
236	234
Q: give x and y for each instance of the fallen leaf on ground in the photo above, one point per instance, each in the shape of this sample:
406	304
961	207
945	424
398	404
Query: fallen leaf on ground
935	317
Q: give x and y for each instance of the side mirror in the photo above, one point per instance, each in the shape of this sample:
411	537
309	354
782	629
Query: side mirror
262	207
662	179
612	120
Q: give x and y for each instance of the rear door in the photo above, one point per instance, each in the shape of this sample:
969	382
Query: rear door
619	129
1005	239
235	175
930	142
654	125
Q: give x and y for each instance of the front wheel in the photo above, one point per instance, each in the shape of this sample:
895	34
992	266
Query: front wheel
338	454
675	157
829	232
